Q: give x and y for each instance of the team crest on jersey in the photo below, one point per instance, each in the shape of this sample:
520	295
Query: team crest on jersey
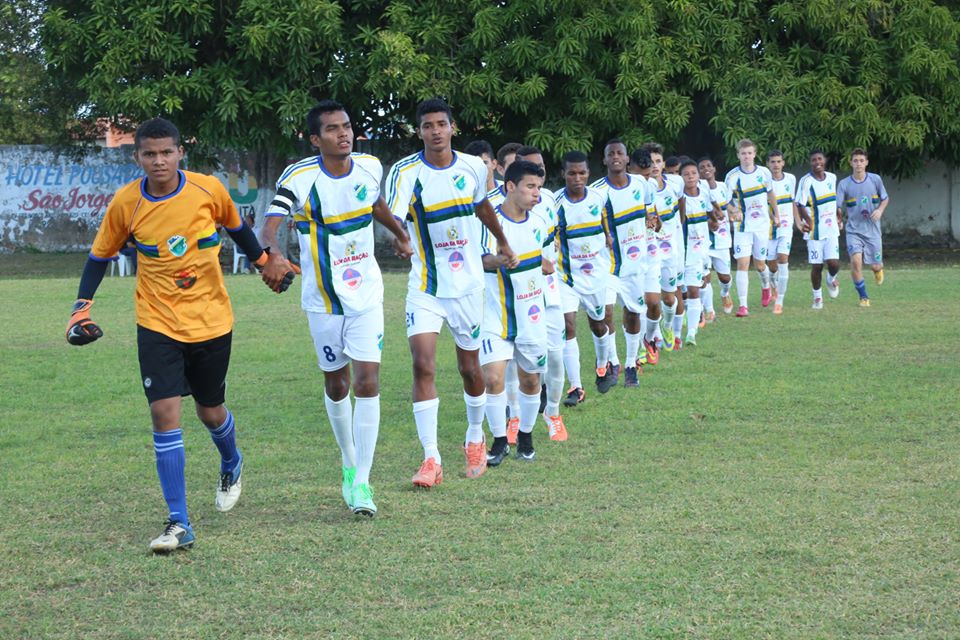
594	210
531	285
455	261
533	314
452	233
633	252
351	248
352	278
668	201
703	204
585	247
536	234
637	195
177	245
459	181
360	190
759	179
185	279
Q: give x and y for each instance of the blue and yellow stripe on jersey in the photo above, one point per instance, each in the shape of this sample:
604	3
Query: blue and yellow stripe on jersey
742	196
816	204
310	222
209	239
406	164
147	249
417	215
508	313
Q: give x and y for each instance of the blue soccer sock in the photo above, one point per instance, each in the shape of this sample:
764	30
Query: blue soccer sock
861	288
168	446
225	437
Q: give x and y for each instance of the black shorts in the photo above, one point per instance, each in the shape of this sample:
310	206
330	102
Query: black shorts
170	368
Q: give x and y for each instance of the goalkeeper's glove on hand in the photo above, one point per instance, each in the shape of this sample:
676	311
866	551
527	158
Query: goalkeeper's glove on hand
81	329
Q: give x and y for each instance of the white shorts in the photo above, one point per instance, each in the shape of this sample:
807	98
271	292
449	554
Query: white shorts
613	290
340	339
693	270
779	246
818	251
746	243
426	314
529	357
556	328
633	288
594	303
668	276
720	259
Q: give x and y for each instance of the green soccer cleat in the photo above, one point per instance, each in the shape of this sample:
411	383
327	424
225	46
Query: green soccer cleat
668	338
346	489
362	499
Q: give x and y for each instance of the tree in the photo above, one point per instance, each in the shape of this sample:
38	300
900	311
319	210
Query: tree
561	74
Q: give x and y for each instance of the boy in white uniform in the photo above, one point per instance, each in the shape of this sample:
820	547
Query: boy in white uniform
334	198
720	242
514	311
442	194
821	224
752	188
699	208
781	235
584	261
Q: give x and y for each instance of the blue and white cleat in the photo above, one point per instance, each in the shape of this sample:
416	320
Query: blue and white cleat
229	487
176	535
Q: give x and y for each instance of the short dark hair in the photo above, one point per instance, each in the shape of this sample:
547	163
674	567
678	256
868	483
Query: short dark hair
641	158
573	157
775	153
671	161
815	151
478	148
652	147
613	141
505	150
520	168
684	158
322	107
155	129
688	163
859	151
528	150
433	105
706	159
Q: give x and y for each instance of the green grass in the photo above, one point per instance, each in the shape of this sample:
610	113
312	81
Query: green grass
791	477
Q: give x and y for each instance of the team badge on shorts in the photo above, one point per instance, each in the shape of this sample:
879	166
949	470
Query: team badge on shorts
459	181
541	360
360	190
475	331
380	341
597	311
533	314
185	279
177	245
352	278
455	261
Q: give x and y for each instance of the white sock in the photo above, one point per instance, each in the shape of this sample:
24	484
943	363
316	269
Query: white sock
425	415
554	382
818	293
366	428
529	408
475	407
765	278
633	347
652	330
340	414
496	414
706	297
743	286
783	278
693	316
668	313
724	289
612	348
600	346
571	362
511	385
678	323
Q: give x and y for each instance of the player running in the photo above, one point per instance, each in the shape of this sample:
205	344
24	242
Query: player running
641	164
821	224
633	279
334	198
584	261
184	318
699	209
752	188
514	312
864	199
720	242
781	235
441	193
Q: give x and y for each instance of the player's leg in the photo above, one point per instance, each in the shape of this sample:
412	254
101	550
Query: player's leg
815	258
760	256
554	377
529	398
570	302
162	373
742	250
425	317
783	272
693	276
512	389
593	305
873	255
632	334
855	247
721	265
668	301
494	369
831	257
464	324
613	290
652	338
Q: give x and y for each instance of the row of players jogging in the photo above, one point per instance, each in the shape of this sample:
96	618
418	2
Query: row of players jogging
506	266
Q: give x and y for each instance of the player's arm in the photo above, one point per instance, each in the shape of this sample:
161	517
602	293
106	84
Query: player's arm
546	266
606	221
803	220
401	239
682	206
81	329
884	201
773	209
489	219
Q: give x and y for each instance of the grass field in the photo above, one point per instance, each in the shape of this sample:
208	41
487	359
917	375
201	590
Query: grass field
792	477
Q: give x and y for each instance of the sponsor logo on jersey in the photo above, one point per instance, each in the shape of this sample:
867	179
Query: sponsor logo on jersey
665	246
652	248
360	190
633	252
586	268
185	279
459	181
352	278
533	314
177	245
452	233
455	261
531	285
351	248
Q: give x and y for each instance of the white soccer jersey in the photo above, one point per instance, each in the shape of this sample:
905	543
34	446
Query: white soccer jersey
626	212
749	190
497	196
721	238
334	218
819	197
696	228
438	206
583	256
785	190
515	307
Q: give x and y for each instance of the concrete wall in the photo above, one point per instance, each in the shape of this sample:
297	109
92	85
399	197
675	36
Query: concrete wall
54	201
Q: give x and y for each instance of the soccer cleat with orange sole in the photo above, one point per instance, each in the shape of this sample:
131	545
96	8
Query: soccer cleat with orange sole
513	427
777	309
558	430
430	474
727	304
476	454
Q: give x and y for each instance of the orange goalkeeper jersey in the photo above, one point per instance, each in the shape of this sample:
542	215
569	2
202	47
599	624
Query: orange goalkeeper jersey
180	289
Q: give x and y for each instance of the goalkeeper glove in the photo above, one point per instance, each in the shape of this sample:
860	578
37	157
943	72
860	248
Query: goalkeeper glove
81	329
287	279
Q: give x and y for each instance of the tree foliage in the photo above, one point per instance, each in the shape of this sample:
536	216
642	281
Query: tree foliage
561	74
